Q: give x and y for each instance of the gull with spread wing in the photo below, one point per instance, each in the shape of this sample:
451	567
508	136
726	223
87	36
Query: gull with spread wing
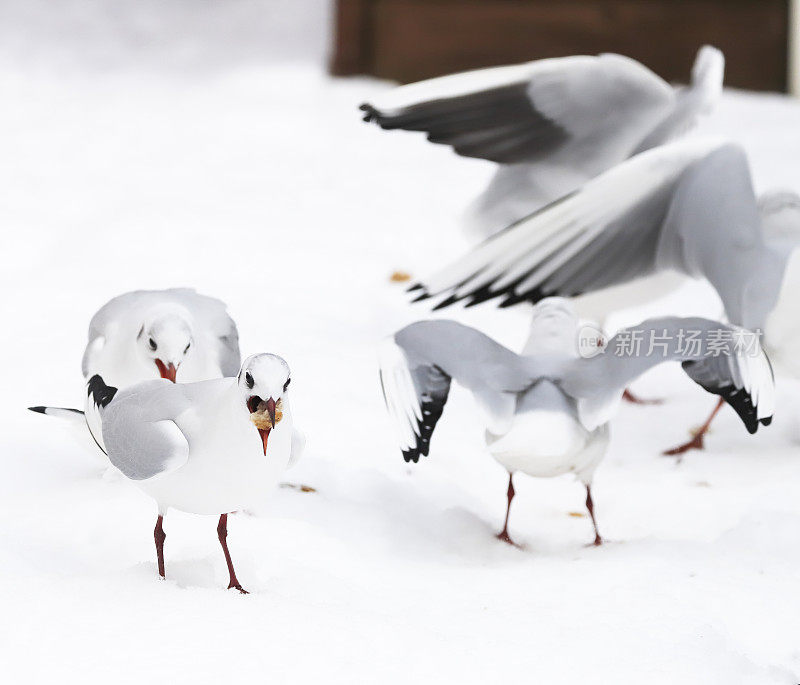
551	124
681	211
547	410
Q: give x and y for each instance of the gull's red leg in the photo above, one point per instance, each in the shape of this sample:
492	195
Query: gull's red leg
160	536
590	506
504	536
628	396
222	533
696	443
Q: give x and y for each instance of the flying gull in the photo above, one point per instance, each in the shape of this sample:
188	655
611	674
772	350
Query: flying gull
551	124
547	410
211	447
680	211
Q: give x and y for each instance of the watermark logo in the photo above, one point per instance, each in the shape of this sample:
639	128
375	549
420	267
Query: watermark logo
592	341
664	343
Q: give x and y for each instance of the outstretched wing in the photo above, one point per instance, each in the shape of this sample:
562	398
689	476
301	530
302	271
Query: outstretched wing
599	107
723	359
139	431
418	364
662	209
415	406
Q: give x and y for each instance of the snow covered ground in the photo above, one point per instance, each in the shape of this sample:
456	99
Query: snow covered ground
261	186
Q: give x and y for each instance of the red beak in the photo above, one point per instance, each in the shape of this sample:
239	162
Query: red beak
168	372
271	410
264	433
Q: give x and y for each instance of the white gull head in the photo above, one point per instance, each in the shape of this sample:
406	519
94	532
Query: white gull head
165	339
263	383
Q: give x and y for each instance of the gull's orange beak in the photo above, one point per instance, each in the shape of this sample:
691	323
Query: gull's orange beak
264	433
168	372
256	406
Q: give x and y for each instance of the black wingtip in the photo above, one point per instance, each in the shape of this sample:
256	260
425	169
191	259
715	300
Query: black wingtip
533	296
101	393
445	303
421	298
411	455
510	301
38	410
481	297
766	421
414	287
370	113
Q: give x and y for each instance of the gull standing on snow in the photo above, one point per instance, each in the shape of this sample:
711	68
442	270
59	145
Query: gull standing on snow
551	124
176	334
680	211
160	333
211	447
547	410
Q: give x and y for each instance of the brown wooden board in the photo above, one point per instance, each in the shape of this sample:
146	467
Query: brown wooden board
409	40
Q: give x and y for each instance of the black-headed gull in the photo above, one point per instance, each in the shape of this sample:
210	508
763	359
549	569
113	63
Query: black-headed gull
547	410
211	447
176	334
551	124
680	211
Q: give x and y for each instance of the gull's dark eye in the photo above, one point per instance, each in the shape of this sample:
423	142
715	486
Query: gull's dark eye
186	349
152	344
248	379
286	384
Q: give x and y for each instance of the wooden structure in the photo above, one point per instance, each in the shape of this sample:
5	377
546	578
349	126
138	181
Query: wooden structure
408	40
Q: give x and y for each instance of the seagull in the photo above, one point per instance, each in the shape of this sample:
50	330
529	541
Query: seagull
551	124
547	410
210	447
155	333
686	210
149	334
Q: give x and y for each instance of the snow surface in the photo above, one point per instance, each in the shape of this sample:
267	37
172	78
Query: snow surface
261	186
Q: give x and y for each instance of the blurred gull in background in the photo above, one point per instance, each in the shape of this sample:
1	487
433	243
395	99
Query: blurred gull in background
551	124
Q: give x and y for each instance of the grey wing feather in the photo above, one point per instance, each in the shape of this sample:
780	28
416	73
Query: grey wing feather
139	431
230	359
714	230
671	208
419	363
604	234
499	124
102	323
213	313
526	112
723	359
